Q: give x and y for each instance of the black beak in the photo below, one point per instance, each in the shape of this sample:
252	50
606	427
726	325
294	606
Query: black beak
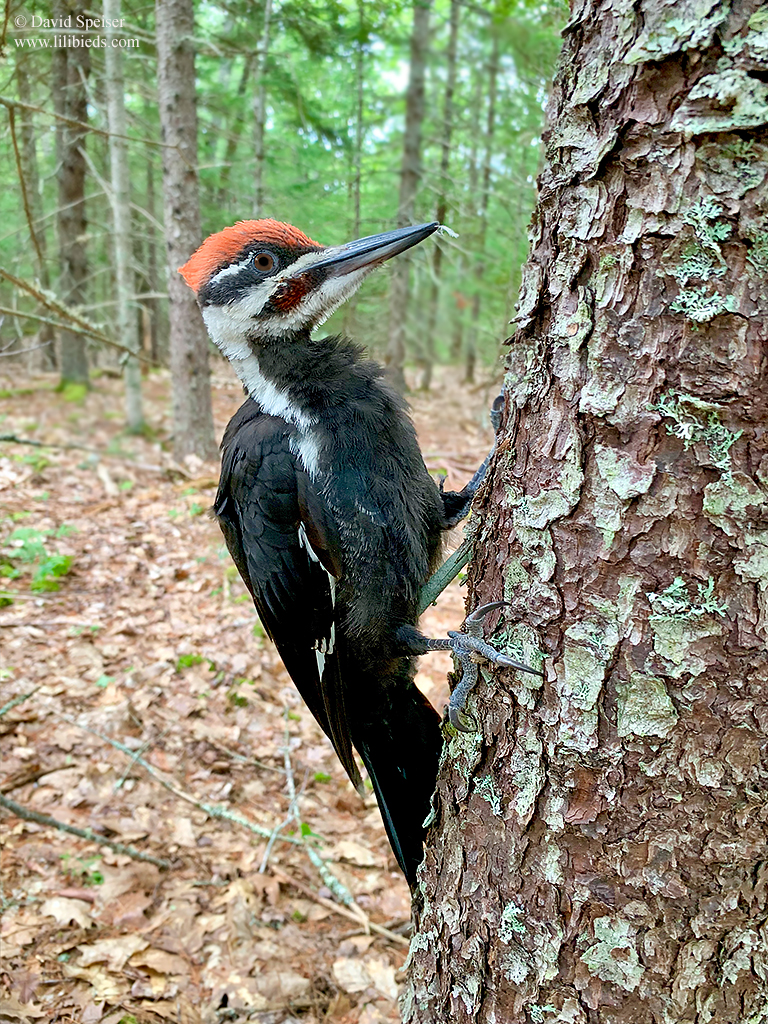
373	250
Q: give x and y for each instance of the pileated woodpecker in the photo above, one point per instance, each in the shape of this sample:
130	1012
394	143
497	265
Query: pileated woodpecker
326	506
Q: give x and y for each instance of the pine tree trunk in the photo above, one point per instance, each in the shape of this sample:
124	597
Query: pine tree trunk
192	415
490	128
600	847
127	323
356	171
235	131
260	110
152	305
71	67
45	333
442	198
410	174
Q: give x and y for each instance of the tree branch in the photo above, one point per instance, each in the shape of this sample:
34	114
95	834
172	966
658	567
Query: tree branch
82	833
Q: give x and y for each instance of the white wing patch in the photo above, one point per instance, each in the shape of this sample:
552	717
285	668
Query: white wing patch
324	645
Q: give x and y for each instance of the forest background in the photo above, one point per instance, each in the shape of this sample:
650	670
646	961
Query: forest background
301	110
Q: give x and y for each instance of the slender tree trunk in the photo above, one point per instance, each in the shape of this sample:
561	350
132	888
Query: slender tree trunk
350	308
192	415
410	174
45	335
235	131
442	197
600	844
260	110
127	322
152	305
469	213
490	127
71	67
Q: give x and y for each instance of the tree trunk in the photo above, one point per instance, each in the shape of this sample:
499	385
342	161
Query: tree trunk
71	67
260	111
235	131
350	308
442	197
152	305
600	847
127	322
192	415
410	173
490	127
45	334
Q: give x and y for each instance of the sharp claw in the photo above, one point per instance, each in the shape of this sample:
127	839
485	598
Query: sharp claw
460	721
511	663
485	609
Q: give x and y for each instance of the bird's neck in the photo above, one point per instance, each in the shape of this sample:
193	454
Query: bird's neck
293	376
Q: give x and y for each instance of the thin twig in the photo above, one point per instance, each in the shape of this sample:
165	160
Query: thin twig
62	310
9	103
23	184
45	320
7	353
293	807
281	875
82	833
17	700
13	439
212	810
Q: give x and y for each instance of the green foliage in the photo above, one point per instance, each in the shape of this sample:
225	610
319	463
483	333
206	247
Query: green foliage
188	660
30	547
83	869
311	83
71	391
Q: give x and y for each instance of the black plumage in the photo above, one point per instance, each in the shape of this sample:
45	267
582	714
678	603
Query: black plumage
335	566
327	508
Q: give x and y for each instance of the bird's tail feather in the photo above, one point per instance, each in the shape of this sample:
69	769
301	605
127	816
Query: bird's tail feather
399	740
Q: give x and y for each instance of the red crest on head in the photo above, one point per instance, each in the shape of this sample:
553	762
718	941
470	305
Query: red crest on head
225	246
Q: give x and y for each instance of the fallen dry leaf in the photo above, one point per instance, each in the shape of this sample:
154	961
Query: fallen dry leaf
65	911
114	951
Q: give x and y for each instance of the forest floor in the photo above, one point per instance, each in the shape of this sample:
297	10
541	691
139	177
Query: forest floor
148	706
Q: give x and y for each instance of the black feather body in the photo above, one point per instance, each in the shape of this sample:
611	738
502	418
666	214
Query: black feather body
334	528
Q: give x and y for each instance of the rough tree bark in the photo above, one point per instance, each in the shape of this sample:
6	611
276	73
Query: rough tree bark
190	375
126	320
599	853
71	67
410	174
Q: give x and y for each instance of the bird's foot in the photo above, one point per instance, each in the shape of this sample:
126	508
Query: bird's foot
470	649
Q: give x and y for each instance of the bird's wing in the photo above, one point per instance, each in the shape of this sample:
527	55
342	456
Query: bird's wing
284	542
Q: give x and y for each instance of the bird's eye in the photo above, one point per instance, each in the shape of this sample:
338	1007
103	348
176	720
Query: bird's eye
264	261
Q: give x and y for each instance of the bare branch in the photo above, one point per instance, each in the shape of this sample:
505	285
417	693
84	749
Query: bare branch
83	833
23	184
